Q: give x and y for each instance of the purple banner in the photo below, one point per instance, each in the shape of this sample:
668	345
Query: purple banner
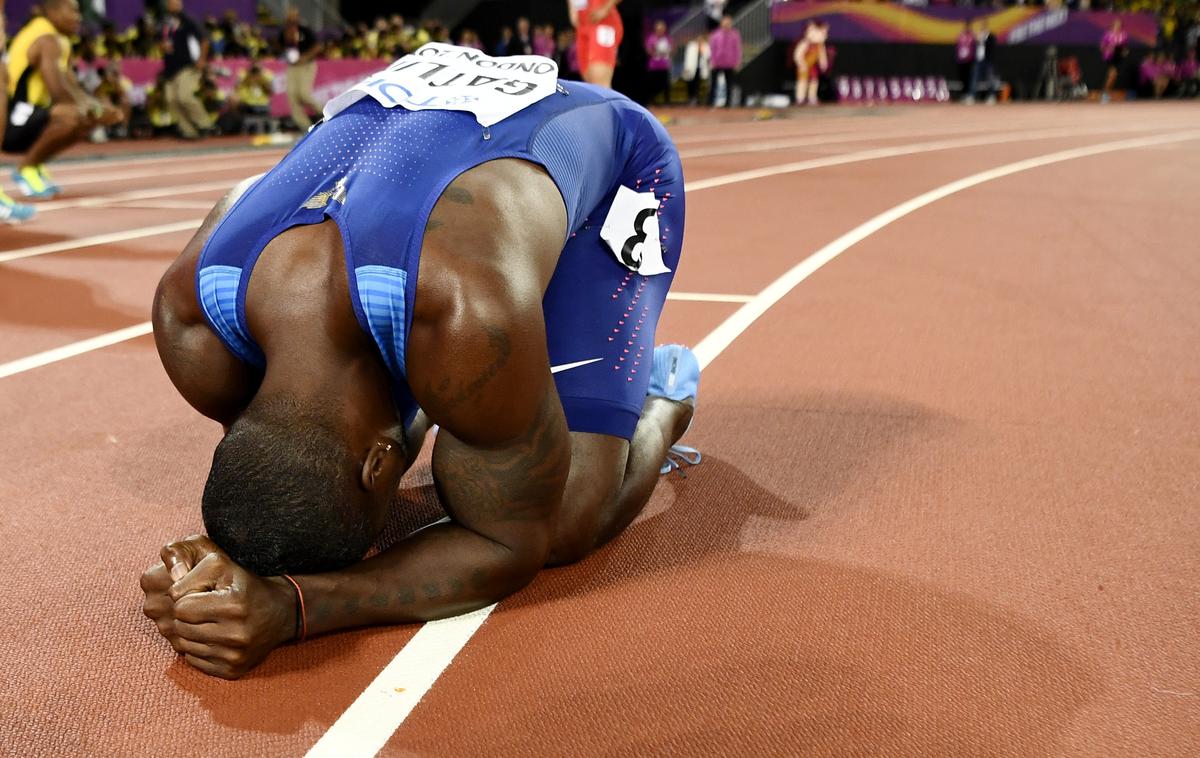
940	25
124	13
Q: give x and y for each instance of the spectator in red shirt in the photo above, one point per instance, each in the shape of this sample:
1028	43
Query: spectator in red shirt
598	32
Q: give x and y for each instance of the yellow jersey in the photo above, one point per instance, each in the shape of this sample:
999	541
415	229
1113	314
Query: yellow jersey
24	81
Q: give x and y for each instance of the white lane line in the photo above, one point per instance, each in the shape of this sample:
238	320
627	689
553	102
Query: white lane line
695	186
193	168
709	297
880	128
146	194
158	205
900	150
784	142
76	348
99	239
687	134
369	722
721	337
183	156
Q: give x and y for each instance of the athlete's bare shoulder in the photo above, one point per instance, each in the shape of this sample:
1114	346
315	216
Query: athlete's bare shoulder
177	289
502	223
205	373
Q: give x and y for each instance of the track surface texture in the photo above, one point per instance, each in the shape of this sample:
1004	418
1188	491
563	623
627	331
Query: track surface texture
948	505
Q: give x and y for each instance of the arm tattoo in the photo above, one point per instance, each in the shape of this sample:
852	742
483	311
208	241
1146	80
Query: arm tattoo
454	587
511	484
459	195
501	351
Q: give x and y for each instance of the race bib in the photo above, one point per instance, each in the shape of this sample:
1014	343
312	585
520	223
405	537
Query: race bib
606	36
447	77
631	231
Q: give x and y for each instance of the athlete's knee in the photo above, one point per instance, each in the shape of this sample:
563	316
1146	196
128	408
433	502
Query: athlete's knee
572	543
577	532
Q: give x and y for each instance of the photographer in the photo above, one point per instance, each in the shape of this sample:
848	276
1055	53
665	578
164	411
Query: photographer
300	50
185	55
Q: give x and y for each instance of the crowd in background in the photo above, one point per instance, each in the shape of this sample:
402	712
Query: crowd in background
217	109
703	70
707	73
385	39
1170	69
229	109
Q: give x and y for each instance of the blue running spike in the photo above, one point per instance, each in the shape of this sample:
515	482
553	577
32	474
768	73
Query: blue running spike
12	212
674	373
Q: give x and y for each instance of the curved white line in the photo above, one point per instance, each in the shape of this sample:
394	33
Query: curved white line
721	337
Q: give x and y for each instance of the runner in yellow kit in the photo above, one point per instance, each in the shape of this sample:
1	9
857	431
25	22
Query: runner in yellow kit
47	111
10	210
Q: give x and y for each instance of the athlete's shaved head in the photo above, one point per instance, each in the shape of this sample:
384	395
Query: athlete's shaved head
281	495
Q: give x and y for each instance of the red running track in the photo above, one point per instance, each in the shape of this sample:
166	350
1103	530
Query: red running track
948	505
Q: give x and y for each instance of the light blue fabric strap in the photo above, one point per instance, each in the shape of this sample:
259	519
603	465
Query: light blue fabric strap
381	291
218	290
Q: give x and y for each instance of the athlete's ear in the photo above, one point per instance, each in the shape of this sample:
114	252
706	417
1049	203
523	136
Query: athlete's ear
372	468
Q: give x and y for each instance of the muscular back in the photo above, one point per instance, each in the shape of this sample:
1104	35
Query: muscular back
496	230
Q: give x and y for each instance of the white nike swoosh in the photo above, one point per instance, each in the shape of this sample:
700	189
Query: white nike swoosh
569	366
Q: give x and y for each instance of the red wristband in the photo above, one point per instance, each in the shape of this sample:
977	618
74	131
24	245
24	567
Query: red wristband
301	620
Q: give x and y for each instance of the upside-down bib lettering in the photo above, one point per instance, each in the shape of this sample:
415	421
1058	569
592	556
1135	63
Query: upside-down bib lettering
631	231
448	77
